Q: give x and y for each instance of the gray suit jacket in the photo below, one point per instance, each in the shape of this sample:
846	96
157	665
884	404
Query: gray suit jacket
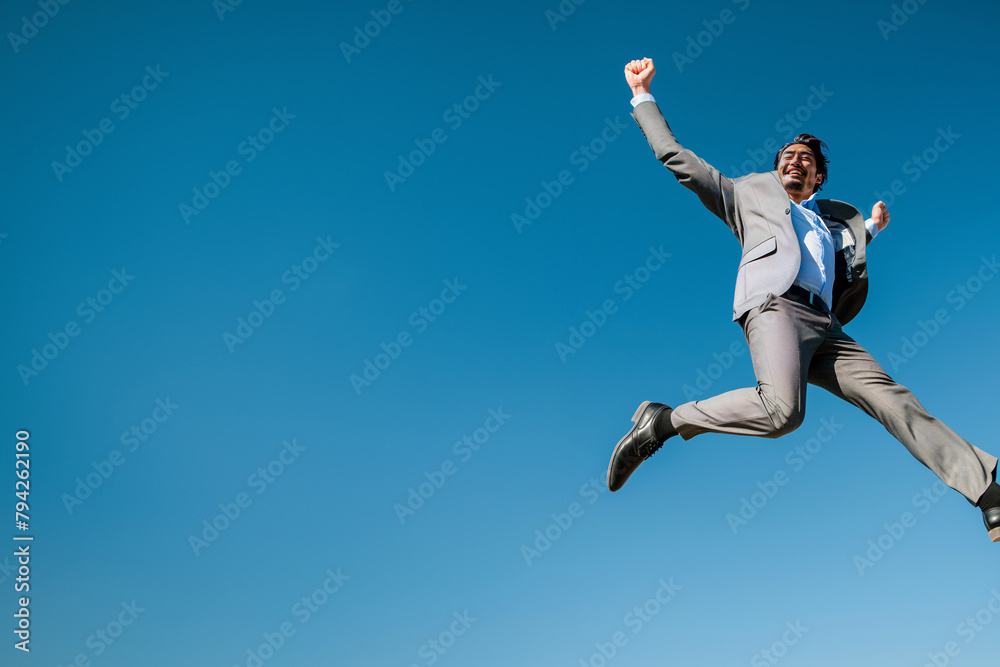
757	209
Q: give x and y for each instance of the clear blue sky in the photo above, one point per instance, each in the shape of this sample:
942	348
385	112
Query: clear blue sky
214	215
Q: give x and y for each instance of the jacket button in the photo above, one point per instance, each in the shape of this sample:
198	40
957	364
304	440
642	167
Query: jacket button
787	211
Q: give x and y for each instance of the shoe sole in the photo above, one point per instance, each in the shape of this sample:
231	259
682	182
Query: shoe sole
635	423
995	534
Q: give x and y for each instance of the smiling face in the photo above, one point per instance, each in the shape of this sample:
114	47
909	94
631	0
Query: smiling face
797	169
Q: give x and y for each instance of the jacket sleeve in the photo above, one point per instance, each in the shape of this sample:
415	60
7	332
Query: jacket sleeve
713	189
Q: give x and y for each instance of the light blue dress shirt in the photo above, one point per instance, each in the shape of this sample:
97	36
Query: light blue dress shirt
816	270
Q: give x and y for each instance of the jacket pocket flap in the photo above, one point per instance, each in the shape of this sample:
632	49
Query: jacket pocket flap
761	249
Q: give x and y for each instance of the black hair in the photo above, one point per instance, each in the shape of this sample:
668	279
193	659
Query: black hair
819	150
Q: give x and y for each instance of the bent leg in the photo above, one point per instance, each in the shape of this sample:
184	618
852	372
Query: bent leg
782	336
845	369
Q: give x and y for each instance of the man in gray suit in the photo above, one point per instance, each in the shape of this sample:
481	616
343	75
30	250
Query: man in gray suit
801	277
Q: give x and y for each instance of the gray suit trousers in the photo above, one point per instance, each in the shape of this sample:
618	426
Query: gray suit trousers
792	343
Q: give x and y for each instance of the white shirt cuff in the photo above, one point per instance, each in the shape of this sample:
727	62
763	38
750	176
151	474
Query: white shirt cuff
872	227
640	98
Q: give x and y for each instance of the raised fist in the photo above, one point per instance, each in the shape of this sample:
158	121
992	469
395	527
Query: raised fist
880	215
638	74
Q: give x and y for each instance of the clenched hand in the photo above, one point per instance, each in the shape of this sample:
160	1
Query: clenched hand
638	74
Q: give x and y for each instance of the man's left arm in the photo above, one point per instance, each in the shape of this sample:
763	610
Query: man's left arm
878	221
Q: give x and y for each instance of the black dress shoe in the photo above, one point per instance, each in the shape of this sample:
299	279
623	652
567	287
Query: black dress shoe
638	444
991	518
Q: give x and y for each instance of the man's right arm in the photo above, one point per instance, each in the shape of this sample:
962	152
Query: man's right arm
713	189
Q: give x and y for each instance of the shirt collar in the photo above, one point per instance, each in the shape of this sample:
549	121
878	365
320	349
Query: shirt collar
811	204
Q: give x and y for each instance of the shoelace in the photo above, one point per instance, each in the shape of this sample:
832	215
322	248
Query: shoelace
649	448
